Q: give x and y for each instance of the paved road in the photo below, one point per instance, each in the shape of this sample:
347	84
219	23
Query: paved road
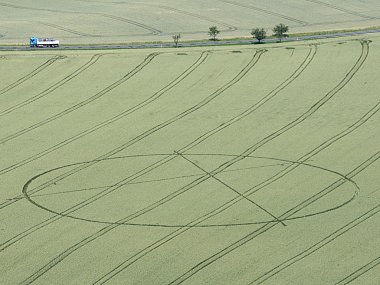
195	43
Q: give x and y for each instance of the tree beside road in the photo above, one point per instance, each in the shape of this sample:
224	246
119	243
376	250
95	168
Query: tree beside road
280	31
259	34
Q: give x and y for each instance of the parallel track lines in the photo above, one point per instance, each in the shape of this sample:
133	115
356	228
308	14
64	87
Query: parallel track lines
200	266
78	246
31	74
55	86
51	264
271	13
127	112
98	95
315	247
361	271
269	96
162	125
142	172
225	206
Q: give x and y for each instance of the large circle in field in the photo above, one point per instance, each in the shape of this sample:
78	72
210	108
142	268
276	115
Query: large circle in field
71	212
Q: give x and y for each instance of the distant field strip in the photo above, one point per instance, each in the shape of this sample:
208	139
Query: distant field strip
125	78
55	86
31	74
271	13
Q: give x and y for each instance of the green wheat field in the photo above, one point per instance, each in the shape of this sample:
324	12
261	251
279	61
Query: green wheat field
252	164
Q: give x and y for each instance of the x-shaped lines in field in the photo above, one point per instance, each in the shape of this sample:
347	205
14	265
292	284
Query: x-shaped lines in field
211	175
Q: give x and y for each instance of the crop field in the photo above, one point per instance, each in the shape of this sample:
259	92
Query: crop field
227	165
109	21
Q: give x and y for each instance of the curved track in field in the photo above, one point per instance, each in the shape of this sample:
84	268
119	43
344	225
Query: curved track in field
202	265
30	74
205	101
227	205
75	107
55	86
168	122
291	162
203	57
102	232
269	96
314	108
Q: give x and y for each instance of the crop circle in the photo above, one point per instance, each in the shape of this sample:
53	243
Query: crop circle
68	214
